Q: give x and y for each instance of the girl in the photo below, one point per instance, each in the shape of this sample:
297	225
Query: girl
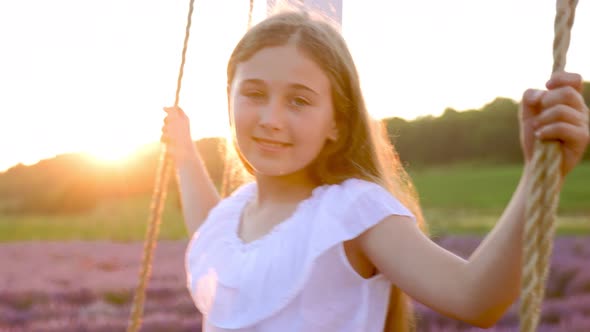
329	236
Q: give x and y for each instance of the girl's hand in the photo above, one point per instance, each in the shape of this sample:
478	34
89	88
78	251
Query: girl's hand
558	113
177	135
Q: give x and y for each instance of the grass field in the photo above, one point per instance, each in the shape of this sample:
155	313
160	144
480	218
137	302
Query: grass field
462	199
468	199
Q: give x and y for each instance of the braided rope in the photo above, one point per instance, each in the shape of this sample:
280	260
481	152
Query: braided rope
541	207
250	14
157	204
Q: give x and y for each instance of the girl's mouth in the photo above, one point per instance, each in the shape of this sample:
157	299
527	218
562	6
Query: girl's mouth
270	145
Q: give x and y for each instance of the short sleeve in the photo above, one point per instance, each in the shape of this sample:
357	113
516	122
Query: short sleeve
370	203
350	209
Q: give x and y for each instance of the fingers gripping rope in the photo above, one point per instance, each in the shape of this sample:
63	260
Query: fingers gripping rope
543	191
157	204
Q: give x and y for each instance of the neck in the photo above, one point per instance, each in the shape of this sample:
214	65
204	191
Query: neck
283	190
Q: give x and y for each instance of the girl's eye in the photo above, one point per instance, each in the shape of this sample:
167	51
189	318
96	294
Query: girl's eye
299	102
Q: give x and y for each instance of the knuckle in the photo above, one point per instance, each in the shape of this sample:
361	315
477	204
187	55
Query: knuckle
570	92
563	112
553	114
554	129
577	77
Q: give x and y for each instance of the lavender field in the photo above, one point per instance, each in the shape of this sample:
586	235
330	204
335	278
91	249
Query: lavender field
88	286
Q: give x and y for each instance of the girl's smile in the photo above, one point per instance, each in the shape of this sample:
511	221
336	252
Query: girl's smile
268	145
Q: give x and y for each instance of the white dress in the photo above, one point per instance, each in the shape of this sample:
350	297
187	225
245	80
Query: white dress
297	277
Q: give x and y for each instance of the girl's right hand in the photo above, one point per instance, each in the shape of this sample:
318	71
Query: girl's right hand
558	113
176	134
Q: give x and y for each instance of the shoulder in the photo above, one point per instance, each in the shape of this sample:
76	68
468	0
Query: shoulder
352	189
230	206
356	184
245	189
363	198
243	192
344	211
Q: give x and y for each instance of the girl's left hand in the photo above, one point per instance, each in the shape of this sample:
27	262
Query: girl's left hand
559	113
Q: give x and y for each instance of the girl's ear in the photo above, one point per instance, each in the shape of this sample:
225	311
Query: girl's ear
229	117
333	135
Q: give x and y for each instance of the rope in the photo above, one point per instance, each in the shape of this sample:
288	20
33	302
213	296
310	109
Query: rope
539	228
250	14
157	204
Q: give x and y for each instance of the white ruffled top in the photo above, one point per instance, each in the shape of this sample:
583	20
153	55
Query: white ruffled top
297	277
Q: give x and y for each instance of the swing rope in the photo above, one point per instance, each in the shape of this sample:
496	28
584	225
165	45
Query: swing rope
159	195
541	207
157	204
250	14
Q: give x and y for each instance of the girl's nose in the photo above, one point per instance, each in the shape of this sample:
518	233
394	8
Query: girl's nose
271	115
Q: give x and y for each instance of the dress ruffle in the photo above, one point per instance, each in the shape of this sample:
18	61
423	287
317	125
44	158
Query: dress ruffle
237	285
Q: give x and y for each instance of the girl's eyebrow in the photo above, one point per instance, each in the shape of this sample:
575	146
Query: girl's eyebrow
303	87
297	86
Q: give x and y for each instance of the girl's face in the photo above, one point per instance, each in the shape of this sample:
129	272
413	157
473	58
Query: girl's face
282	110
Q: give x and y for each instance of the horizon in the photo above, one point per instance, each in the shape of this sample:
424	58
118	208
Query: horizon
122	160
79	85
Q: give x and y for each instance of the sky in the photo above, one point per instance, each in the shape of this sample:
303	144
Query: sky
93	76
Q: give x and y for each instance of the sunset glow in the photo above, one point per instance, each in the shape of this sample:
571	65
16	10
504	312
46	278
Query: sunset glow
110	155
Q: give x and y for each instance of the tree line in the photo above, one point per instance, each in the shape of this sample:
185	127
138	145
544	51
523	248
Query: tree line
73	183
489	134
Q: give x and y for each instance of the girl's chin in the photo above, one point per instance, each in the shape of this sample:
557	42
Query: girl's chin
275	170
276	166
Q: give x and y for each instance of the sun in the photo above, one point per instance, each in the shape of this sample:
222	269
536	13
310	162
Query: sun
112	154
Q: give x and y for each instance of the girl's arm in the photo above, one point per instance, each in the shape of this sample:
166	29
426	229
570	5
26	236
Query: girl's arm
480	290
198	194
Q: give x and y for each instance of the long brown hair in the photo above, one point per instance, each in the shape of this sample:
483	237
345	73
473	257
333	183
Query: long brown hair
363	149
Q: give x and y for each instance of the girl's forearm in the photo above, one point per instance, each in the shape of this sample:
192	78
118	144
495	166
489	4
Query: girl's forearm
197	192
495	266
